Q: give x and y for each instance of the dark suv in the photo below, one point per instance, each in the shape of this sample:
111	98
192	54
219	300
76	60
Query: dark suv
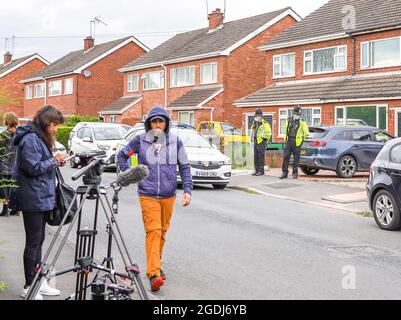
343	149
384	186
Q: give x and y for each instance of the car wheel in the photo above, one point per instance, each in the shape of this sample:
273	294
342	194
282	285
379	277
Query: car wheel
346	167
73	164
309	171
220	186
386	212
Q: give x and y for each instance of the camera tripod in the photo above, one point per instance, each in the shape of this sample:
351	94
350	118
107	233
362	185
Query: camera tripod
85	243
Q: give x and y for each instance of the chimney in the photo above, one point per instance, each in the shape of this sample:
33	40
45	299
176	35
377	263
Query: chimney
215	19
7	57
89	43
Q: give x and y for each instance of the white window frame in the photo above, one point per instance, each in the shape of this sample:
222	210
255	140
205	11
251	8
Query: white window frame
130	83
285	117
378	106
161	75
337	55
278	62
71	91
173	77
214	65
369	52
191	116
60	85
43	86
113	119
28	92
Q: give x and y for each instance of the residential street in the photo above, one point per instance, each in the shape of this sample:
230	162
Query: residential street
233	244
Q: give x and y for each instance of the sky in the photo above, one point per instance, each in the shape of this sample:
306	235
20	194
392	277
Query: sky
54	28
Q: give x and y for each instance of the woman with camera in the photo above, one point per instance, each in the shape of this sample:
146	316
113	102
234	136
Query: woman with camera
35	194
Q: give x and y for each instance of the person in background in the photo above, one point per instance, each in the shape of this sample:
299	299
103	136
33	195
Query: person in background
7	159
296	131
161	151
261	133
35	194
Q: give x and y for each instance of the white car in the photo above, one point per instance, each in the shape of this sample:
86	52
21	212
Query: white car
208	164
97	136
59	148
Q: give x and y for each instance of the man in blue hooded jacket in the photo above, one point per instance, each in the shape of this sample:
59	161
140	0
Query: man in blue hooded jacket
161	151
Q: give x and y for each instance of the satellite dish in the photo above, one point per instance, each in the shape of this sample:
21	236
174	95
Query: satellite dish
87	73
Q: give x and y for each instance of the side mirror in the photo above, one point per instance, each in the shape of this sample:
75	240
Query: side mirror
87	139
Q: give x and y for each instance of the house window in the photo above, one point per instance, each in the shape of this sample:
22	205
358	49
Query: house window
325	60
68	85
375	116
113	119
153	80
284	65
132	85
381	53
312	116
209	73
28	92
182	77
187	117
40	90
54	88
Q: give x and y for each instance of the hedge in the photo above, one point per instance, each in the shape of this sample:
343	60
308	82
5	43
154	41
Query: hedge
72	120
63	133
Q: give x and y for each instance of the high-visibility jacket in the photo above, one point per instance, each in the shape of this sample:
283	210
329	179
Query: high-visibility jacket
302	133
264	132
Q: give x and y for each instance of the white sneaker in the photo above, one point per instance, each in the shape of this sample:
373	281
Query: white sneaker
25	292
46	290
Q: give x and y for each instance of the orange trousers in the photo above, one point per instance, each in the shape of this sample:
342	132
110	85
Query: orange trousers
156	215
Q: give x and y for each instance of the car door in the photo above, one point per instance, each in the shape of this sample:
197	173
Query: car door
87	140
364	148
76	142
394	169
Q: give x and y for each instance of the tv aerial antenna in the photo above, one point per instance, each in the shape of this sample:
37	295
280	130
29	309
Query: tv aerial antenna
96	20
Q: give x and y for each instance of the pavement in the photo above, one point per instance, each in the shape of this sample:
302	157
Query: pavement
324	190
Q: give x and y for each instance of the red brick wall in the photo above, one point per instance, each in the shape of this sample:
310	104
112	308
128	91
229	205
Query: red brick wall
13	90
90	95
241	73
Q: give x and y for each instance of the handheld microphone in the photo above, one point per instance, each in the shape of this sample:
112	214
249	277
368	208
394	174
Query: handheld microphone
131	176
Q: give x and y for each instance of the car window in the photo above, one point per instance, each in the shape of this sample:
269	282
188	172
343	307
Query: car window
361	135
230	130
86	133
109	133
382	137
317	133
395	154
80	132
191	139
343	136
129	136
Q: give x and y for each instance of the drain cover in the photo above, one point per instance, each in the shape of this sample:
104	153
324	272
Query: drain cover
282	185
361	251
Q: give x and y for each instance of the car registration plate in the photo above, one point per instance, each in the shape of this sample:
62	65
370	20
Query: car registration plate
205	174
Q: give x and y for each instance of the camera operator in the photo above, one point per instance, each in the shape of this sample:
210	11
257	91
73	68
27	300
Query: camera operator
160	151
36	191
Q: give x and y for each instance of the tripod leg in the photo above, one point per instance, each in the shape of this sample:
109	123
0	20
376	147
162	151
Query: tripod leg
44	269
134	275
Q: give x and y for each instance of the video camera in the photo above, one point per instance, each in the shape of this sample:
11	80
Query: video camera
101	291
92	163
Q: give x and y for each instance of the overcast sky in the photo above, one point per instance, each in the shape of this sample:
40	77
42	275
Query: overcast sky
54	28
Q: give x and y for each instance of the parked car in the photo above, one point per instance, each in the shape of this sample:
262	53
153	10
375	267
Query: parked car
221	133
208	164
343	149
81	124
352	122
384	186
96	136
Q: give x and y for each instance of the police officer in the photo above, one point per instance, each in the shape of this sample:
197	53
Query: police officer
296	131
261	133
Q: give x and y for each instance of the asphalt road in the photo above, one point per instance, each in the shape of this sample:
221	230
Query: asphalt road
235	245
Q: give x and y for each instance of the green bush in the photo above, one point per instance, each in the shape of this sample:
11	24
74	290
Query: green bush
72	120
63	133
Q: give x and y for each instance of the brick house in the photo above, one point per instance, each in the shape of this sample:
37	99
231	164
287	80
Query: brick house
83	81
198	75
11	72
341	64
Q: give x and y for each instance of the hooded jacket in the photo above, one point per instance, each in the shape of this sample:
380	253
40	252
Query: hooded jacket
34	172
161	155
